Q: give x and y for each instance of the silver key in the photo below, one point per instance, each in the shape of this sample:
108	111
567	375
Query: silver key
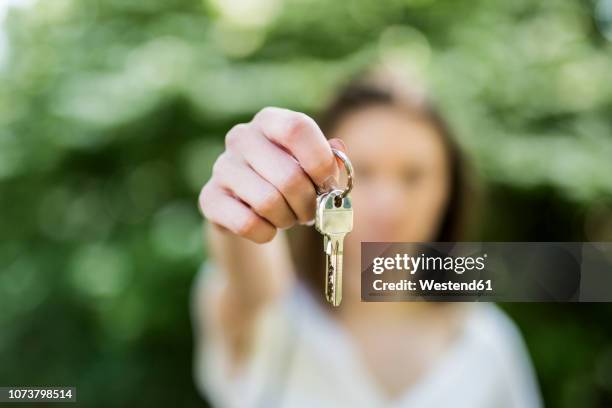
334	219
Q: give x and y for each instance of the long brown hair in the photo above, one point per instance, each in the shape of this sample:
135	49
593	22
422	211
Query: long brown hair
381	86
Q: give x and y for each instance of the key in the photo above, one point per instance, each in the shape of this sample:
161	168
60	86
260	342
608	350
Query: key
333	219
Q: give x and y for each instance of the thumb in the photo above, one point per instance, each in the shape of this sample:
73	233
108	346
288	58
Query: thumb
338	144
332	182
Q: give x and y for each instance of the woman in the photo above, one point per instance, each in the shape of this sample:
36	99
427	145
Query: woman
265	336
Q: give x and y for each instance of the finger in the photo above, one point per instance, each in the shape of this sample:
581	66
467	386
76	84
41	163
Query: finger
237	176
276	166
229	212
302	137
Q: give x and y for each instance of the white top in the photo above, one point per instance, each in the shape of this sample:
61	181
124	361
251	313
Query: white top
301	357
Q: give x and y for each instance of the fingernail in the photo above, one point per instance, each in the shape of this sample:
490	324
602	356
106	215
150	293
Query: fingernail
308	223
340	143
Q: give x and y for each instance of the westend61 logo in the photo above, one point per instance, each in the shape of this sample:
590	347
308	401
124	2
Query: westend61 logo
422	262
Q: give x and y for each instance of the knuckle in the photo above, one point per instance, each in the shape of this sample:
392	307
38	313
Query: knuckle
292	182
248	226
297	124
203	200
236	134
219	165
270	203
265	112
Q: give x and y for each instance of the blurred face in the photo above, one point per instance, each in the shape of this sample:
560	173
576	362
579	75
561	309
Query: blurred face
401	178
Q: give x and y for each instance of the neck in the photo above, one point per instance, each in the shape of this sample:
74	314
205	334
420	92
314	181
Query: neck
353	308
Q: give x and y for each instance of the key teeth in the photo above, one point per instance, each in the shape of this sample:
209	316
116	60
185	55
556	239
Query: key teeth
330	284
331	293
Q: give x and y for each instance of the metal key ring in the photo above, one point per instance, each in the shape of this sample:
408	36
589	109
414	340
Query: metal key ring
349	172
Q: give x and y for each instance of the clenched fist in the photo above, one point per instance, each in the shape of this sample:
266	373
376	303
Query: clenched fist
265	179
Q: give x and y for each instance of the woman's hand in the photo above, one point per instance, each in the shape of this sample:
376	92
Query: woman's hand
265	179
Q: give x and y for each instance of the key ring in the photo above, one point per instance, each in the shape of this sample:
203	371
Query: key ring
348	166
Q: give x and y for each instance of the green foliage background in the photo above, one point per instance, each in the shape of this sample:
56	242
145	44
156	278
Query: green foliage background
111	113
